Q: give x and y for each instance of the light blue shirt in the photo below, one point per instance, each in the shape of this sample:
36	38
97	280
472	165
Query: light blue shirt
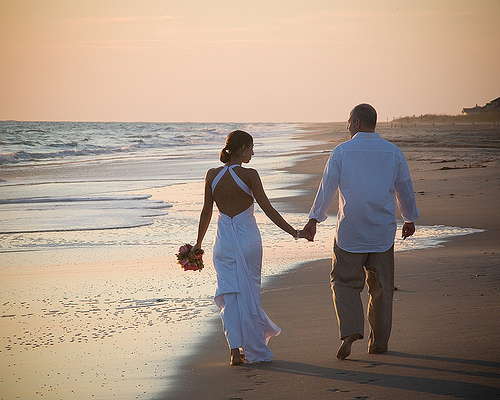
371	174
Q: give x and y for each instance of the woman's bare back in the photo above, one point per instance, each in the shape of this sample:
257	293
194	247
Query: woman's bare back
231	200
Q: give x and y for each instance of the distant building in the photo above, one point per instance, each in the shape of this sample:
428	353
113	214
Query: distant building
493	107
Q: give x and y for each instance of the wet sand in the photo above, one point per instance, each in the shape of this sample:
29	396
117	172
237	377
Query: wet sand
445	329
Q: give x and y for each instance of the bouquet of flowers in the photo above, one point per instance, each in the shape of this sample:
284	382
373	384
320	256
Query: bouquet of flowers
190	263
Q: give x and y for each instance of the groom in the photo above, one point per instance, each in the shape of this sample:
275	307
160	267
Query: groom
371	174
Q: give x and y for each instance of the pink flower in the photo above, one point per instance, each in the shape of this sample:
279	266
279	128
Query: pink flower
190	262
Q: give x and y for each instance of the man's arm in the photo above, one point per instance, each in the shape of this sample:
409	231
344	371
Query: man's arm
406	199
327	188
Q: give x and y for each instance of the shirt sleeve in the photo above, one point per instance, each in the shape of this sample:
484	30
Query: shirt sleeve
405	194
327	188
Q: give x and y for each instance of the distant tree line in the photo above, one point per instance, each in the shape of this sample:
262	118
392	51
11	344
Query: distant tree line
435	118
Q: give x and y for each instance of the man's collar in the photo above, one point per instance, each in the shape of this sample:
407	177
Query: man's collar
366	135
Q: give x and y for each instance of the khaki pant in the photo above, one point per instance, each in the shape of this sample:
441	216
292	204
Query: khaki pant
348	276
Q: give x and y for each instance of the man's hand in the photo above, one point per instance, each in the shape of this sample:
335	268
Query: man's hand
303	234
408	229
311	228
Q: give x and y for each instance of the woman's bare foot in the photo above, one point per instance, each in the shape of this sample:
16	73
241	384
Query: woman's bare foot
236	357
345	348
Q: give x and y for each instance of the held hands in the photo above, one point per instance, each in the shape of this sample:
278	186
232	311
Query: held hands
310	228
303	234
407	230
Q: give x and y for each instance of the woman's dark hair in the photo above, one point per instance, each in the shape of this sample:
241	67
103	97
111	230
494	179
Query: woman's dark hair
234	141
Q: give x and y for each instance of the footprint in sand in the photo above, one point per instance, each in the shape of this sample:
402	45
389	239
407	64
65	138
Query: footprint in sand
368	381
245	390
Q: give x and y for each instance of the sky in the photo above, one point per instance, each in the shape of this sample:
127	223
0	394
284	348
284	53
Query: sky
245	61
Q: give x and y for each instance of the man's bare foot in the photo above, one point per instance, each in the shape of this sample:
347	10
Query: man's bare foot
371	351
345	348
236	357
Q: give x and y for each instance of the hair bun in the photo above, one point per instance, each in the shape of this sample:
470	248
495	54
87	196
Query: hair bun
234	141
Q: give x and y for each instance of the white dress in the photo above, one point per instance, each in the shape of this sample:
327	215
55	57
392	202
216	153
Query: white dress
237	259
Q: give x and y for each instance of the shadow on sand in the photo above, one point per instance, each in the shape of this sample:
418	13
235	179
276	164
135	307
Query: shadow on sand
460	382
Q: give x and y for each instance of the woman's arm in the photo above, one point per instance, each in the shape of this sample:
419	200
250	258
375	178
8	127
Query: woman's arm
206	213
269	210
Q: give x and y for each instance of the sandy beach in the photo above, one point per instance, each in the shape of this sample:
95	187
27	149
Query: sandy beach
112	115
109	313
445	330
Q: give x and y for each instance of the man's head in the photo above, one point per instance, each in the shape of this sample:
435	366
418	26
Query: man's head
362	118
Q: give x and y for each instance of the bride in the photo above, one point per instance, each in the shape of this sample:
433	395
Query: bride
237	253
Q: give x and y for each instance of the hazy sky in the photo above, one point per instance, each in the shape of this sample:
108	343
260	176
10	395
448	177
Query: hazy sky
245	61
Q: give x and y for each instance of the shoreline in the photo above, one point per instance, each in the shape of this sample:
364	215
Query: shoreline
457	280
110	306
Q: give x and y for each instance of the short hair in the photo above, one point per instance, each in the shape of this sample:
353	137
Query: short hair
366	114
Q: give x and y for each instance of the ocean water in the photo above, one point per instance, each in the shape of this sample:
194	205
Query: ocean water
92	301
82	170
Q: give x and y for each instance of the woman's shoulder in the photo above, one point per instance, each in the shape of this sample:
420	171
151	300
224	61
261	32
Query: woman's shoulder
212	173
215	170
249	172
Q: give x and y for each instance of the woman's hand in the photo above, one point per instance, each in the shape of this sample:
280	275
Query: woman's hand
194	250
